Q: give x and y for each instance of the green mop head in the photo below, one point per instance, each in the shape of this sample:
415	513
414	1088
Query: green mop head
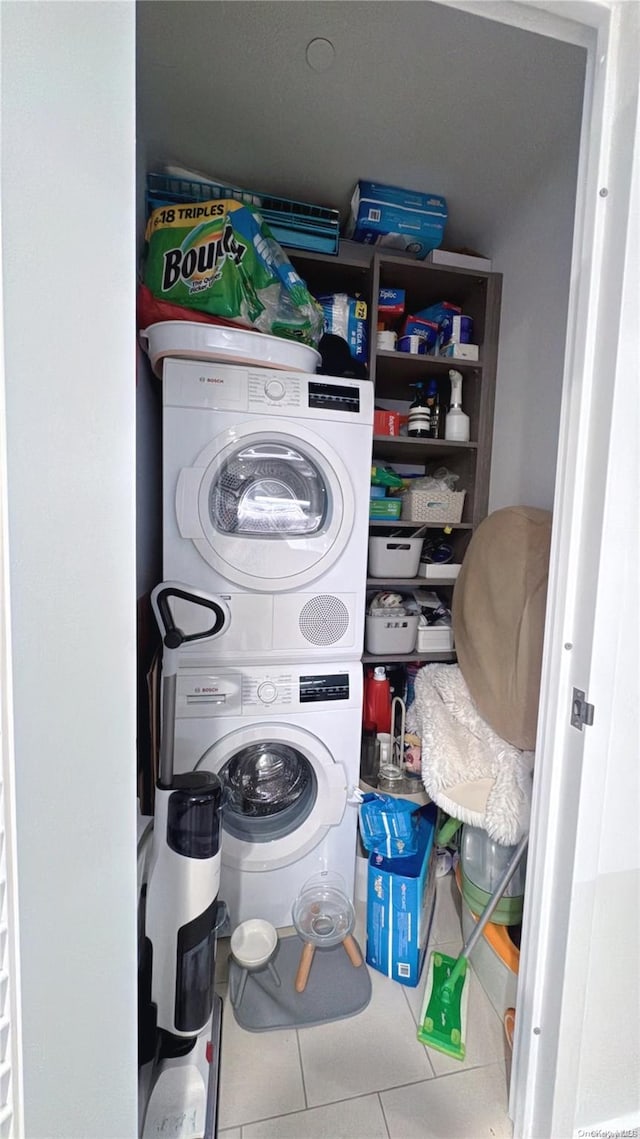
444	1009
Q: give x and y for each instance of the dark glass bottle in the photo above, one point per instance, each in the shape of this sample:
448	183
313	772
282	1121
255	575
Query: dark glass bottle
433	403
419	414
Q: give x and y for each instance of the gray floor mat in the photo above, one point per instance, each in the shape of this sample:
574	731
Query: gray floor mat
335	990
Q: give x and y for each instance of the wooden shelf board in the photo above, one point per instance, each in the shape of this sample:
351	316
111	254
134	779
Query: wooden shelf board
444	362
408	582
404	525
403	448
388	658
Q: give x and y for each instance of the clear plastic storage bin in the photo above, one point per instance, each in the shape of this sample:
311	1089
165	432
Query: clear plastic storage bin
483	863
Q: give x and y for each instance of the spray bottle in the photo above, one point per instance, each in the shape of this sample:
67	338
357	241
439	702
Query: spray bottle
456	424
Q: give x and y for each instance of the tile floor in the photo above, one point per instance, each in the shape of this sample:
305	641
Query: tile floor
367	1077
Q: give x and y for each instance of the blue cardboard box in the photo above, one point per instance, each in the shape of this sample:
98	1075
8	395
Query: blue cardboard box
401	895
397	219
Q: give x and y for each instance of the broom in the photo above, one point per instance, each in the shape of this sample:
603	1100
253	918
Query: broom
443	1020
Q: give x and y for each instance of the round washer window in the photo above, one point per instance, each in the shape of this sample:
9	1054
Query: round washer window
268	488
271	789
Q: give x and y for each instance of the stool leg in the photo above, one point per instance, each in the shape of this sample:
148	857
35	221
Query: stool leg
237	996
304	967
274	973
353	953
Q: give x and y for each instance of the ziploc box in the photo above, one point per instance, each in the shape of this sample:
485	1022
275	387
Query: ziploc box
396	219
401	895
391	302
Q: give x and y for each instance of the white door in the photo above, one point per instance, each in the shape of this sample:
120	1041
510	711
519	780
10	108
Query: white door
269	507
284	790
577	1046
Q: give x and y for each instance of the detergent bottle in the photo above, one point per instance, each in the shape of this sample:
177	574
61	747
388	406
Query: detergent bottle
377	700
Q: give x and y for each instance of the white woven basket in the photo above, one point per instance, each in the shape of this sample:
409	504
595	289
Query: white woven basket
433	506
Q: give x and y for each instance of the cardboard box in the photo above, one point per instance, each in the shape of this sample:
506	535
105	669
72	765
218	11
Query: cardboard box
460	351
396	218
385	509
386	423
401	894
459	260
391	302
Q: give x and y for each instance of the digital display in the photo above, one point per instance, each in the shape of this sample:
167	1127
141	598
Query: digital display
334	397
315	688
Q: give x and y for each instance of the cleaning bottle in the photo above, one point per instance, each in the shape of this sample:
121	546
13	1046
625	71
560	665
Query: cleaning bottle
419	413
433	403
456	424
377	700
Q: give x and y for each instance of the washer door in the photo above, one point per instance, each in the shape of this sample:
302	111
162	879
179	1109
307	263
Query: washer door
267	509
283	793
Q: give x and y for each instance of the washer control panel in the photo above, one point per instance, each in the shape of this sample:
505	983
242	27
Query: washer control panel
228	691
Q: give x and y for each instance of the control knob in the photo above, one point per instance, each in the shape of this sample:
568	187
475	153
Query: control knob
267	692
274	389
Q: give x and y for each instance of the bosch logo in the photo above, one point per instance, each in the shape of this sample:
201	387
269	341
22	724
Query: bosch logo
211	380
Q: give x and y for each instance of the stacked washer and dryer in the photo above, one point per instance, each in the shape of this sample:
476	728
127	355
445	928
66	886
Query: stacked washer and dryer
266	479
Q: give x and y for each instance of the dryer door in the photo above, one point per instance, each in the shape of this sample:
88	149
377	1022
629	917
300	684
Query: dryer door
266	508
283	792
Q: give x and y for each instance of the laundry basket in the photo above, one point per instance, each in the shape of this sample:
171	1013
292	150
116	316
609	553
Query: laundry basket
433	505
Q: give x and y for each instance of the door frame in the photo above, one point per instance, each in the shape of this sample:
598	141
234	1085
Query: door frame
553	976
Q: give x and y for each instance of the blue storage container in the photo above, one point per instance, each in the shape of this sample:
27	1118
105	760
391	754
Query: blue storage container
298	225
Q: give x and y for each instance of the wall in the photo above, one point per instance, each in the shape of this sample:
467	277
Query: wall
68	139
532	248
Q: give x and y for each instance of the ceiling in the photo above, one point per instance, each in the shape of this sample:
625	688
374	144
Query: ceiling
417	94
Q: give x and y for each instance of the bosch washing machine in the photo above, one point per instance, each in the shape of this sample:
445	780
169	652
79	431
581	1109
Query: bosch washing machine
266	503
285	740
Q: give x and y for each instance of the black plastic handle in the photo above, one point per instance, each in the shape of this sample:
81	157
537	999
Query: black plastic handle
172	636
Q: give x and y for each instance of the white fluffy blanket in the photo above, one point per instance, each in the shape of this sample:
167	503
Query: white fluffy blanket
467	770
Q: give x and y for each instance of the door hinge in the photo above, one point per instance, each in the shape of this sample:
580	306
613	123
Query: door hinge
581	711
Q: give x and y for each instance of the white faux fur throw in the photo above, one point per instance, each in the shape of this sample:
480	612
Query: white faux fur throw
459	747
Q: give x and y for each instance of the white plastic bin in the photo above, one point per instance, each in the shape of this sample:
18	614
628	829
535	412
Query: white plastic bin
391	634
434	638
445	571
394	557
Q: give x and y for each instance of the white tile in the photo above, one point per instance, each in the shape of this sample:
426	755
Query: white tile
376	1049
447	925
260	1073
469	1105
359	1118
485	1040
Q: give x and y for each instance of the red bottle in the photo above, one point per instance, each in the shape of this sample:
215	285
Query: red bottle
377	700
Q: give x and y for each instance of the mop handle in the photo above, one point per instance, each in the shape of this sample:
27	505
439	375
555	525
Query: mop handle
169	685
482	921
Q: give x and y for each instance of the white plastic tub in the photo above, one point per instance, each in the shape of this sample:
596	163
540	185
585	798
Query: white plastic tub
444	571
394	557
434	638
390	634
192	340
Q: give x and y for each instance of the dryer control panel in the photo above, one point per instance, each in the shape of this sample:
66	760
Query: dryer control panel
266	391
266	691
